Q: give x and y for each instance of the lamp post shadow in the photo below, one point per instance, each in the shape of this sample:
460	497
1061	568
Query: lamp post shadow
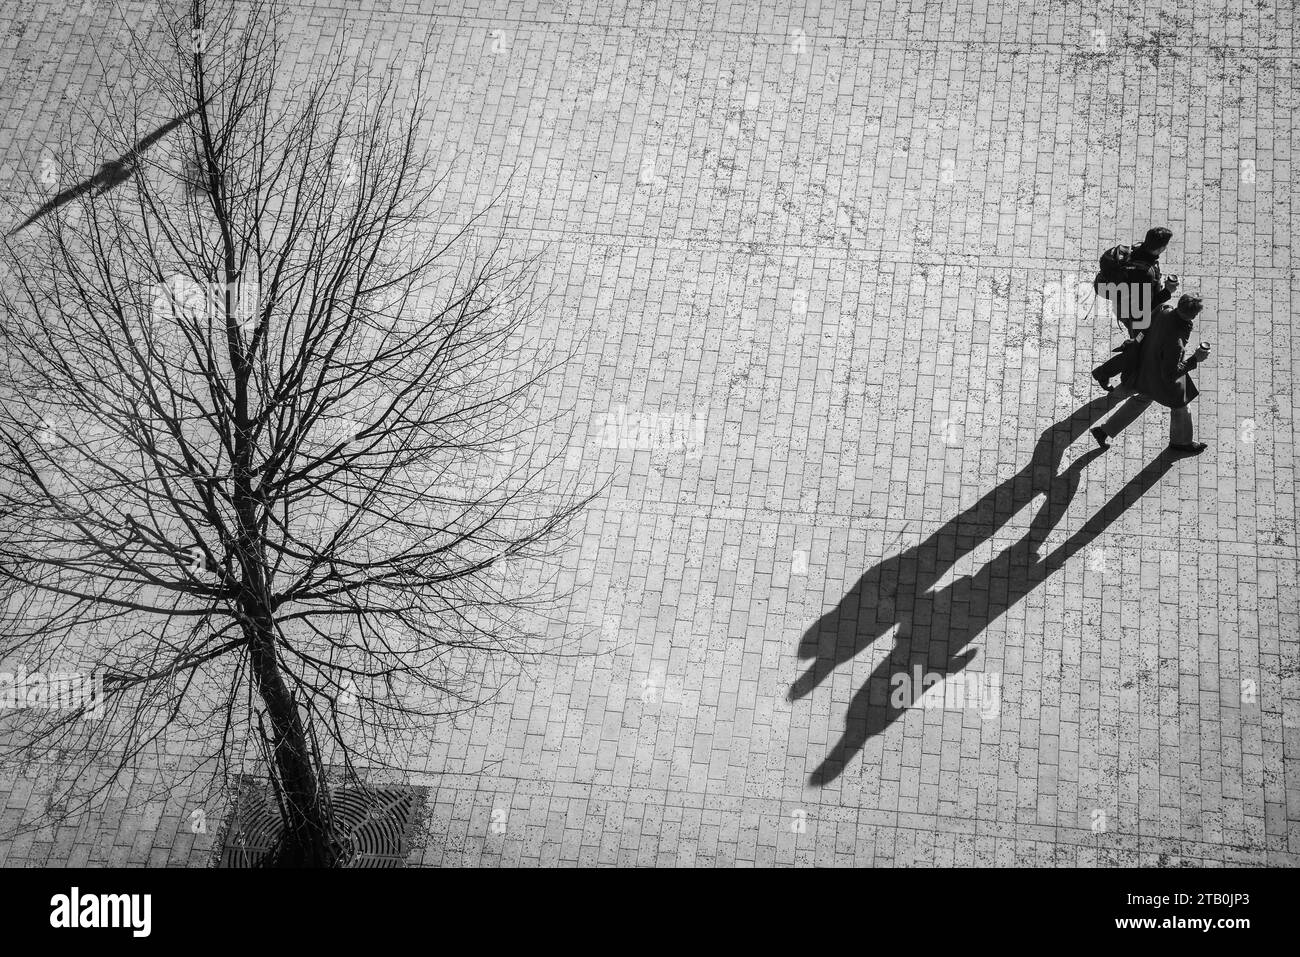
111	174
935	627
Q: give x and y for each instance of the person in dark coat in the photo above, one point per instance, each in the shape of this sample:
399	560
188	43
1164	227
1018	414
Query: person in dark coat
1160	374
1147	290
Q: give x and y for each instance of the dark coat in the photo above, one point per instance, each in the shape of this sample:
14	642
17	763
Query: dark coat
1146	270
1147	267
1163	361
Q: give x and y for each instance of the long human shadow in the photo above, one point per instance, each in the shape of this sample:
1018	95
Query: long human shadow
111	173
936	626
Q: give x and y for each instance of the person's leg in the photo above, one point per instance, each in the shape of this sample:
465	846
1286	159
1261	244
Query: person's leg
1115	365
1180	426
1134	406
1109	369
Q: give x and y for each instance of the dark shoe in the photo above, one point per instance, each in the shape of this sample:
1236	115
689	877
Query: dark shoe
1192	448
1100	436
1102	381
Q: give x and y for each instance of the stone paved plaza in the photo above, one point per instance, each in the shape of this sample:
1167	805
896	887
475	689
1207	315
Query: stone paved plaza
837	246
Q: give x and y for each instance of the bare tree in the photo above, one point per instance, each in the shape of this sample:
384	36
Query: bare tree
265	439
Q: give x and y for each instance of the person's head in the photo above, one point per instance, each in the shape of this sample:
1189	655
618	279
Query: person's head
1190	306
1157	238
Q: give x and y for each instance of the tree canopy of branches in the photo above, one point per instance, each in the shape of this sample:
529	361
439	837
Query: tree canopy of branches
264	448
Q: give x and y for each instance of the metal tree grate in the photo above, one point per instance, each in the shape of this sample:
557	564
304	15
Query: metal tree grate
375	825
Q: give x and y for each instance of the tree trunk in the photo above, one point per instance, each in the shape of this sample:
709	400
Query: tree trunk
308	839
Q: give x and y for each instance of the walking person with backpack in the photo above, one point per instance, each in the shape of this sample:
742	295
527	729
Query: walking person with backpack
1160	374
1130	280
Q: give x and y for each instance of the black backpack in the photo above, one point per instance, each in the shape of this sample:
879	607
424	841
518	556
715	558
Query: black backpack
1117	266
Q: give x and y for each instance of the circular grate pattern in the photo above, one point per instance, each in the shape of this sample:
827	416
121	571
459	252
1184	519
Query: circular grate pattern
373	825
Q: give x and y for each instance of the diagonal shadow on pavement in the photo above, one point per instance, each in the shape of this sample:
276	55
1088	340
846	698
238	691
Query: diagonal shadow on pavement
936	626
111	174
